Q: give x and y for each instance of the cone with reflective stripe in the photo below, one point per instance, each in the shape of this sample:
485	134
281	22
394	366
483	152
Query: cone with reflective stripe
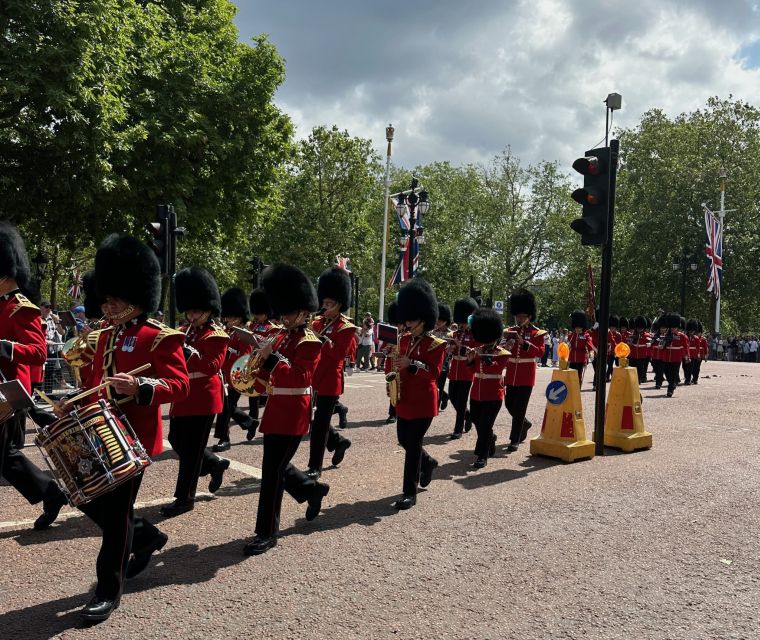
563	431
624	419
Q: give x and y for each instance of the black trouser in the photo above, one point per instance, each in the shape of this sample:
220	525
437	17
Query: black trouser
580	368
545	356
696	365
516	402
594	365
483	414
323	434
254	402
687	366
391	411
23	475
459	394
114	513
19	429
640	364
188	436
659	372
410	435
278	475
671	374
442	385
610	365
230	412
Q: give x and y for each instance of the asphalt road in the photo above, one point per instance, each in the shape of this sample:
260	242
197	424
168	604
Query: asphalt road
655	544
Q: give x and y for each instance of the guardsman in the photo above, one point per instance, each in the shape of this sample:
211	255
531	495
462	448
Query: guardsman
525	343
190	422
487	392
338	335
703	350
442	330
235	312
418	365
640	347
613	338
582	346
625	329
263	328
688	363
22	345
460	375
391	351
128	280
289	361
674	347
655	352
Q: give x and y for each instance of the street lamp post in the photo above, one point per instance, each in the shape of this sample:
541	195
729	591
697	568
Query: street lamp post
416	200
389	137
40	262
684	263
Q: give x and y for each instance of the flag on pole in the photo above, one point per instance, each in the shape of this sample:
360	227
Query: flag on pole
75	290
590	294
714	252
406	256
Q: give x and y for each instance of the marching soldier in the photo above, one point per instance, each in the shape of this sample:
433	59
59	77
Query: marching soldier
460	375
487	393
640	347
190	421
443	332
693	353
338	335
673	347
263	328
613	338
418	366
389	350
581	344
22	345
525	343
127	276
655	352
235	311
289	362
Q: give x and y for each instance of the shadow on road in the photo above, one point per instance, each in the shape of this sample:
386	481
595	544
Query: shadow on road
483	478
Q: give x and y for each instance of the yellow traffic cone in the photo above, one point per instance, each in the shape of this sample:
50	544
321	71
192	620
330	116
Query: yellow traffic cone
563	431
624	419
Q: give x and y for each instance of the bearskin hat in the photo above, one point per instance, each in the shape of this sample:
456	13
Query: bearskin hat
259	303
416	301
624	324
700	328
682	322
691	324
127	268
393	313
444	312
288	289
234	304
335	283
195	288
92	301
522	301
463	309
640	323
614	321
670	320
486	325
14	262
578	319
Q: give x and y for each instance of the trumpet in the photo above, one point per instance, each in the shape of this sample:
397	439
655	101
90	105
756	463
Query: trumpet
244	375
393	380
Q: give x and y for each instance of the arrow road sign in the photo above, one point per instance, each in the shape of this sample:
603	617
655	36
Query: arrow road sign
556	392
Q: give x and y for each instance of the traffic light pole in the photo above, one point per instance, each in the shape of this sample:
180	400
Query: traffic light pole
172	266
604	305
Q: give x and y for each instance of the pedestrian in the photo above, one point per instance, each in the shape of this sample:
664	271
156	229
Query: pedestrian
365	343
547	349
581	345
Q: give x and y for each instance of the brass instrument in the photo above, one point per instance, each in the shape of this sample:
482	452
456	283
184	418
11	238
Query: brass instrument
393	379
321	334
245	371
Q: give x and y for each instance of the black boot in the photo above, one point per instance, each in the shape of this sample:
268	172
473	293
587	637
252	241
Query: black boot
99	608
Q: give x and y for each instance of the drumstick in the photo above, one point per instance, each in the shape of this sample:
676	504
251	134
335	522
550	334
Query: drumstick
84	394
45	397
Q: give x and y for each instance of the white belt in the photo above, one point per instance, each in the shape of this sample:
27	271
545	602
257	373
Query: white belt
289	391
675	347
459	357
197	374
488	376
521	360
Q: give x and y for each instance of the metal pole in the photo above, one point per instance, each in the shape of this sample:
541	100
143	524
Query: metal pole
604	305
356	298
721	213
683	283
389	138
172	265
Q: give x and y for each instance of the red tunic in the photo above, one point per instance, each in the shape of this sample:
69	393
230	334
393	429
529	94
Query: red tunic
488	378
289	371
21	324
458	369
640	344
328	376
581	345
693	346
613	339
419	381
521	364
704	348
677	349
204	364
125	347
237	348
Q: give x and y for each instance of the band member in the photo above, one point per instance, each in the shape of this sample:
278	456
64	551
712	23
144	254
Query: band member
289	362
525	343
703	350
337	334
639	342
235	311
22	345
673	347
127	275
656	353
190	420
390	352
418	366
625	329
443	332
688	363
460	375
263	328
613	338
582	346
487	393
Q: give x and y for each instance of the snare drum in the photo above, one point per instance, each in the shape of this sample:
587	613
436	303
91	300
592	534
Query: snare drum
91	451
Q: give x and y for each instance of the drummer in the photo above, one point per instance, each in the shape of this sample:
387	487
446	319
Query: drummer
127	277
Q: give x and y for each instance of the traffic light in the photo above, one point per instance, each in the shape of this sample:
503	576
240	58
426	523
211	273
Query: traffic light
595	169
254	271
160	237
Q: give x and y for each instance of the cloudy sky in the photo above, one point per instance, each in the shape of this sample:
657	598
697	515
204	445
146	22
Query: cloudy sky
462	79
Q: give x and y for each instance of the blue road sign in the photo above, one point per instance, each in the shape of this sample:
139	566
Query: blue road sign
556	392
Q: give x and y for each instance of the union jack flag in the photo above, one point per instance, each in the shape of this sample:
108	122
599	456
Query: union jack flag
75	290
406	257
714	252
